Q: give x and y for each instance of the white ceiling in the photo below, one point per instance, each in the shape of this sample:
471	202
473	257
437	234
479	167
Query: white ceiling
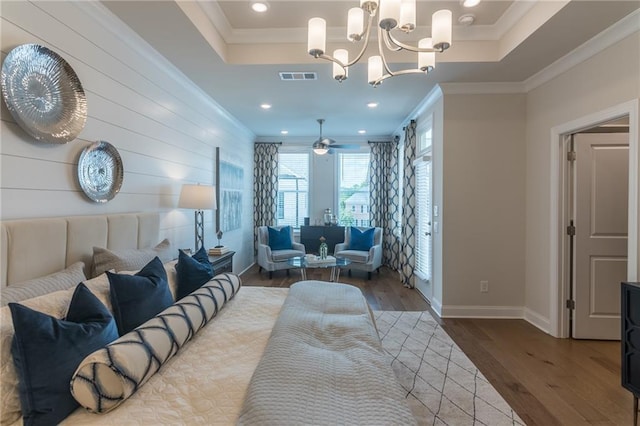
235	54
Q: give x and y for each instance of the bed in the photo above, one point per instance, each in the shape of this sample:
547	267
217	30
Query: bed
218	373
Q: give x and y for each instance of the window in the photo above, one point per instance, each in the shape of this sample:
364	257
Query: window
353	190
293	188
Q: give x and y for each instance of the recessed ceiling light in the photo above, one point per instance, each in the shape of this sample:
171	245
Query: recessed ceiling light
362	132
467	19
259	6
265	106
470	3
372	104
284	132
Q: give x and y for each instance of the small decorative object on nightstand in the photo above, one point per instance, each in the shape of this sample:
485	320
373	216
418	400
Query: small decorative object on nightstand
222	263
219	235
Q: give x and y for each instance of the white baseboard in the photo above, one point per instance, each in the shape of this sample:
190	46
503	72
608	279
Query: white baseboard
436	306
499	312
537	320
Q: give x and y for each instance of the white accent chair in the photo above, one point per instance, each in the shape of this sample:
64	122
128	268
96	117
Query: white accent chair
275	260
362	260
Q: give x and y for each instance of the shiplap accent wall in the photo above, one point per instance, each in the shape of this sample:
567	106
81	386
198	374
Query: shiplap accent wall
165	129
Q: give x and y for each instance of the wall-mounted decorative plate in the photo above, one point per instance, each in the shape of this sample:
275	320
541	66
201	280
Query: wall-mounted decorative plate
43	94
100	171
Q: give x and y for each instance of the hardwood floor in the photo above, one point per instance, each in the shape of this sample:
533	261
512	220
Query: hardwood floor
547	381
383	292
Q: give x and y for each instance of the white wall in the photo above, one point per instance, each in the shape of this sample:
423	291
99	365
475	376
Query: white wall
606	79
164	128
483	209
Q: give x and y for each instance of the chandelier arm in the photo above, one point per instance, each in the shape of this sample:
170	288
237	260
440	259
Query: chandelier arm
401	45
389	42
367	33
381	51
395	73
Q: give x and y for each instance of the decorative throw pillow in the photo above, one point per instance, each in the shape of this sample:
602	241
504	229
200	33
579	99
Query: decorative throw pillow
192	272
61	280
110	375
128	259
361	240
136	298
46	352
280	239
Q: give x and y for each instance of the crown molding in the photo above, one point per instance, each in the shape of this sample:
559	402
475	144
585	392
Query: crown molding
112	24
482	88
615	33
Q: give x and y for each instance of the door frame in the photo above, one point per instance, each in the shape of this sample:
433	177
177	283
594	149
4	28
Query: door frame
558	282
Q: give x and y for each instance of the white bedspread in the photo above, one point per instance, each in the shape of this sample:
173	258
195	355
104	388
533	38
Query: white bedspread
206	382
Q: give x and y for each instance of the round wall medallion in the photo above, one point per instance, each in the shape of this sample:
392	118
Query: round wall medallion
100	171
43	94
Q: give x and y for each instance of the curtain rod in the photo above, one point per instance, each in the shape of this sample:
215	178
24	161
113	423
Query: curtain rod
273	143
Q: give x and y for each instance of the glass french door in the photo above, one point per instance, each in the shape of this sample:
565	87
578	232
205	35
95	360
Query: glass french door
424	244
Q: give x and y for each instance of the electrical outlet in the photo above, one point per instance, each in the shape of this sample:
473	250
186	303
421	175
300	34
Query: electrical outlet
484	286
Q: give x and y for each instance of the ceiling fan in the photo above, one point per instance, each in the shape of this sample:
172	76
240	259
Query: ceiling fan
324	145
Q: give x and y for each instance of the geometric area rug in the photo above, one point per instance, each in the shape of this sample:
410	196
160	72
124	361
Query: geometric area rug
443	386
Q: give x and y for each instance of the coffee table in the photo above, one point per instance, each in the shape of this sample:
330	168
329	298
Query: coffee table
304	262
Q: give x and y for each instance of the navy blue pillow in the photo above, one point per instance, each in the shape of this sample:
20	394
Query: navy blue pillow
280	239
361	240
46	352
138	298
192	272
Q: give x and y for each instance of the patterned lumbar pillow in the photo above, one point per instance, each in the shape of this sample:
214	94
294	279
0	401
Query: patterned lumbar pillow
128	259
61	280
280	239
192	272
361	240
136	298
112	374
46	352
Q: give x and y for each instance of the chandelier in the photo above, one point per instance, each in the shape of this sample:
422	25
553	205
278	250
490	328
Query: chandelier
393	14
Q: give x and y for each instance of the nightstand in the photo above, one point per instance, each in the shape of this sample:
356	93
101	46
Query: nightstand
222	263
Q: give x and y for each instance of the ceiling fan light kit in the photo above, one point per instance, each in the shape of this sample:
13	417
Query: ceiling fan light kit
393	14
326	145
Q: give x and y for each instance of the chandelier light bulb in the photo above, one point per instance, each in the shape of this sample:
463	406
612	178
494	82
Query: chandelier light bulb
441	29
340	73
426	60
374	69
317	36
389	14
408	15
355	24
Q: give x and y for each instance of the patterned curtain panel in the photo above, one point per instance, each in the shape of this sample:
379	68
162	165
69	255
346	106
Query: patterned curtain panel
384	187
408	241
265	186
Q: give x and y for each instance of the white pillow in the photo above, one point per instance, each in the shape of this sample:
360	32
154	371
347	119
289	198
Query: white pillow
61	280
128	259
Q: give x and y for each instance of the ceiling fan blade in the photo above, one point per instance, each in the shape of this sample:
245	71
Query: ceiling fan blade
345	146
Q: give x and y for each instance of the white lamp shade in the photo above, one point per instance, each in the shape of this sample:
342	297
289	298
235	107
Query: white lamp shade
317	37
342	55
426	60
441	29
389	13
408	15
197	197
374	69
355	23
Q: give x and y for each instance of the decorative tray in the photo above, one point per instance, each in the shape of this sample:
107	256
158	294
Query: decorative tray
43	94
100	171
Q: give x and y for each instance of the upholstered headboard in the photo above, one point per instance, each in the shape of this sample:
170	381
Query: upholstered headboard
32	248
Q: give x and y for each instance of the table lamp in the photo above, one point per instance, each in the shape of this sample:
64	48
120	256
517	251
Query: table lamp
198	197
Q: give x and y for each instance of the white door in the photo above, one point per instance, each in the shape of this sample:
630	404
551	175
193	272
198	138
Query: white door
600	214
423	224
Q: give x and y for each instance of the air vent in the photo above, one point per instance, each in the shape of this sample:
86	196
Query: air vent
297	75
